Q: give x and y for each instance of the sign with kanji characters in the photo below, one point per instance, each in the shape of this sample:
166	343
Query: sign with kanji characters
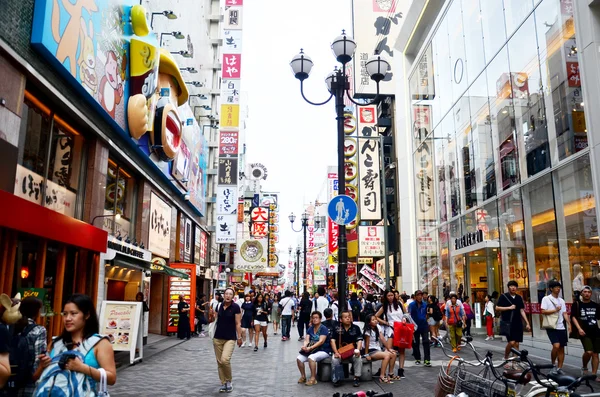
228	143
228	171
232	66
230	116
233	18
230	91
232	41
259	229
260	214
369	179
226	200
573	74
424	178
159	235
332	227
371	241
226	232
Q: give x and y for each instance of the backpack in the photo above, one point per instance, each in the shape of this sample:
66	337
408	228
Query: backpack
57	382
367	310
355	306
21	360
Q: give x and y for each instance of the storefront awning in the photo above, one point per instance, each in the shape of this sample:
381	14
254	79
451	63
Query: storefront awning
125	261
156	267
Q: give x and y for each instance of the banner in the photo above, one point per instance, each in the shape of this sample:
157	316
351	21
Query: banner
369	165
332	227
371	241
159	235
252	256
226	200
226	231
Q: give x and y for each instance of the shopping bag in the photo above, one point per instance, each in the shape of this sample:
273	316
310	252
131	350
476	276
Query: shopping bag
337	373
403	335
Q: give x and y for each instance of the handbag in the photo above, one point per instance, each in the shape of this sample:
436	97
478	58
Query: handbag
307	353
550	321
337	373
103	384
212	326
345	351
403	335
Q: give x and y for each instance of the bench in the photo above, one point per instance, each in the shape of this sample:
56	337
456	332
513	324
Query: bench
324	369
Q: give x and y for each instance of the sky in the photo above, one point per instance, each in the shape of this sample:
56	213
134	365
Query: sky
295	141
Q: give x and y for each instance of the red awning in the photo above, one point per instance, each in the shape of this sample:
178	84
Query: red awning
27	217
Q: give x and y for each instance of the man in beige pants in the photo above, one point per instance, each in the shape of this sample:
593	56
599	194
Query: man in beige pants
228	331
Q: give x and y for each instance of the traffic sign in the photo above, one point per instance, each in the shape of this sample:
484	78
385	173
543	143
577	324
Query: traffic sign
342	209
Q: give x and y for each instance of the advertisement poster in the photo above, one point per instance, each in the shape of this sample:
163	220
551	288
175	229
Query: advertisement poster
159	236
120	322
179	286
371	241
370	274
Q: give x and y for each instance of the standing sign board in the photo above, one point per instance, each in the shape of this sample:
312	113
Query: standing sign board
187	288
121	322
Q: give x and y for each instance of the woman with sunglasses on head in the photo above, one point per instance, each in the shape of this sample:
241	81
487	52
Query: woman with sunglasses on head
80	334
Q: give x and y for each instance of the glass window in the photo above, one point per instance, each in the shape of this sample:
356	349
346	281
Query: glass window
502	117
540	199
441	178
65	159
443	68
428	260
473	32
119	199
494	32
515	11
456	276
33	138
528	100
466	162
424	185
512	239
453	176
561	81
457	50
443	285
579	206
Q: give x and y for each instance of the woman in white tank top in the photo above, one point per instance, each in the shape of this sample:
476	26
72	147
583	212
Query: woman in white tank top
390	312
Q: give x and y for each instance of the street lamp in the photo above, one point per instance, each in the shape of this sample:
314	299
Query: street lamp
338	85
304	219
167	13
177	35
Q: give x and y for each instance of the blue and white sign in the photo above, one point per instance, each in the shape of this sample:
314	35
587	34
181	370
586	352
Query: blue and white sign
342	209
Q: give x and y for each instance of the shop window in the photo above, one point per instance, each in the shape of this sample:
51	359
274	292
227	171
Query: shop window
579	206
494	31
429	269
441	192
466	161
453	172
49	159
473	31
513	250
424	185
119	199
540	199
563	96
457	50
515	11
528	100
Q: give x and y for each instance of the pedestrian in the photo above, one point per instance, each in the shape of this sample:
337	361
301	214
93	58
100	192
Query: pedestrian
216	300
344	334
489	315
316	347
334	305
321	303
392	311
455	316
512	314
304	314
469	315
434	318
585	314
35	336
183	324
275	312
261	319
374	339
200	314
329	322
247	320
361	298
418	312
355	306
368	308
80	333
287	314
558	327
228	330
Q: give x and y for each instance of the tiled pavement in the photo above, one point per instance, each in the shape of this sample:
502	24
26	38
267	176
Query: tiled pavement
189	369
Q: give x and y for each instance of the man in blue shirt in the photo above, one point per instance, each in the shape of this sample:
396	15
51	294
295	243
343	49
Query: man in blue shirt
418	312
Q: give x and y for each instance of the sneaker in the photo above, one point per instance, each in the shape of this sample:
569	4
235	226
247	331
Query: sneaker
553	371
243	344
401	373
427	363
229	387
255	348
417	362
356	382
223	389
265	346
300	339
559	371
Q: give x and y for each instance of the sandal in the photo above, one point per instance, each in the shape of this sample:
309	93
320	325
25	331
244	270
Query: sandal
385	380
393	377
311	382
302	380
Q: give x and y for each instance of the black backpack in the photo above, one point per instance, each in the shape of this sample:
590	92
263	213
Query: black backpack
21	360
367	310
355	306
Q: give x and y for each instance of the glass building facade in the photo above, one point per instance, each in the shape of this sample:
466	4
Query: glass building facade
503	183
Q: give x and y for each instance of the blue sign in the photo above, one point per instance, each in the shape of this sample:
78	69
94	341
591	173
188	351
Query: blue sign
342	209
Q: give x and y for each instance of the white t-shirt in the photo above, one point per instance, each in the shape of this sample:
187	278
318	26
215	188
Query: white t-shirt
288	306
374	344
213	304
322	304
550	303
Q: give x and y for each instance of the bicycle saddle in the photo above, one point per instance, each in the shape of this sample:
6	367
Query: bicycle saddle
562	380
516	376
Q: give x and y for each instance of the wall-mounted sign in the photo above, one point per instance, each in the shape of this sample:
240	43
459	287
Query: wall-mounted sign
230	116
232	41
371	241
232	66
369	165
159	236
424	182
258	171
228	171
226	200
228	143
115	246
28	185
252	256
365	261
233	18
226	229
468	240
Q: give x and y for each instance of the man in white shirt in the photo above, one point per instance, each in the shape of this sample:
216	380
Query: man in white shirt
215	301
321	303
287	310
551	305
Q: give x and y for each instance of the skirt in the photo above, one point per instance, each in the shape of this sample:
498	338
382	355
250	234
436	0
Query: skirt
275	317
247	322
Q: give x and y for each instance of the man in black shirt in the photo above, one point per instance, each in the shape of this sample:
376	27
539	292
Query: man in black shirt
329	322
347	333
512	309
585	315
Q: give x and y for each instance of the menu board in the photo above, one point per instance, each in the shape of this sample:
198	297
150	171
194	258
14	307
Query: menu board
120	323
179	286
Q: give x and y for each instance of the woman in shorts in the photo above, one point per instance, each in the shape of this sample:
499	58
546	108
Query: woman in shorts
261	319
374	338
275	313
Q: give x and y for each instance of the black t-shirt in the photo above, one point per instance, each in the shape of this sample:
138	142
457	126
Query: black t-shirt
587	315
4	339
351	335
180	307
226	328
263	309
506	300
437	313
306	306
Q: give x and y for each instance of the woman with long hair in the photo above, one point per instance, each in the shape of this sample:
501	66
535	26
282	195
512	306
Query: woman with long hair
305	309
261	319
374	338
434	318
247	320
275	315
80	334
489	314
392	311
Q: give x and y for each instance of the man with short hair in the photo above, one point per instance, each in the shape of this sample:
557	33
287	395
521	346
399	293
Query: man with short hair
347	333
554	304
585	315
329	322
418	311
512	314
321	303
287	310
316	347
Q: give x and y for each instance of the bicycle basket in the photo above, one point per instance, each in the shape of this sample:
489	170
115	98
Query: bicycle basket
446	380
477	386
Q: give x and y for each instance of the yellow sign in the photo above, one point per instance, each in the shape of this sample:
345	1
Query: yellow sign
230	116
365	261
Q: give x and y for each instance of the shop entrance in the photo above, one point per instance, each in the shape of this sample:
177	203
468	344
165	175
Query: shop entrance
476	274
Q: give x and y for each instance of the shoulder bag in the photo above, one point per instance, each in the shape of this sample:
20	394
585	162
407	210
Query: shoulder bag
505	325
212	317
550	321
345	351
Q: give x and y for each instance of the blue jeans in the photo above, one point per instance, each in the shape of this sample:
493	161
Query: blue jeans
286	323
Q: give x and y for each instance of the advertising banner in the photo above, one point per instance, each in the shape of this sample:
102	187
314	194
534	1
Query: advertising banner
28	185
369	165
228	143
332	227
371	241
228	171
370	274
226	200
226	230
424	178
121	323
159	236
230	91
233	18
252	256
232	42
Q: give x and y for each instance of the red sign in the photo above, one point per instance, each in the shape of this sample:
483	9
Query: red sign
573	74
234	2
232	66
259	214
334	231
259	229
228	142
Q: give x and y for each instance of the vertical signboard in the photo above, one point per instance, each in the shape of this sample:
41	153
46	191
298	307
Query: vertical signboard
332	227
159	235
369	164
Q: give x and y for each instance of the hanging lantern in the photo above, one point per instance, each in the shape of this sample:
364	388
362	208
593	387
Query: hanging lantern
24	272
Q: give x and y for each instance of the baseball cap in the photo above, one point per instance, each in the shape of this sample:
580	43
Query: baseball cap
586	287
